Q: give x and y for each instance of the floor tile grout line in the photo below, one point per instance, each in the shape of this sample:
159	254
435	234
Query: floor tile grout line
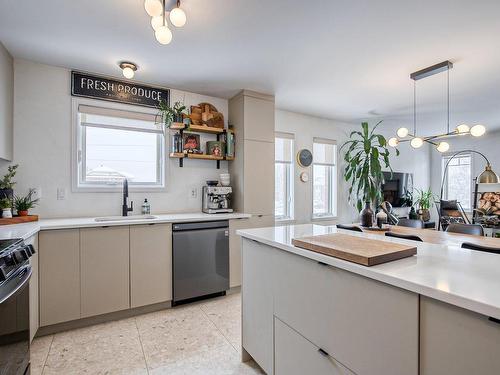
142	346
48	353
218	329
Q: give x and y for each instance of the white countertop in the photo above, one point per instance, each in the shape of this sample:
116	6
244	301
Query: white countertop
465	278
27	230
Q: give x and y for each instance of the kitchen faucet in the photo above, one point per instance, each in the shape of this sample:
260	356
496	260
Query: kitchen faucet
125	208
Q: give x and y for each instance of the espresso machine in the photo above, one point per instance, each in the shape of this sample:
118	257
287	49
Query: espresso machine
216	199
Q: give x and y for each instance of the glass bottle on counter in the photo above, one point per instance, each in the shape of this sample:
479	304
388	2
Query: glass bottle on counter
146	208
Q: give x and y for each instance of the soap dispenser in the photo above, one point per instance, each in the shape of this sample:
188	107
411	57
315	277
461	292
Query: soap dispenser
146	207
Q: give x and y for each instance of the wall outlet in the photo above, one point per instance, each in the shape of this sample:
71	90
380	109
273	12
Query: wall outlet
193	193
61	194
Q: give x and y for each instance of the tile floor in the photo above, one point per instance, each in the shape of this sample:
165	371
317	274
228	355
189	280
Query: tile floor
201	338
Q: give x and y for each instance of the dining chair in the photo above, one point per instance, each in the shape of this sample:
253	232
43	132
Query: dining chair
350	227
411	237
487	249
474	229
411	223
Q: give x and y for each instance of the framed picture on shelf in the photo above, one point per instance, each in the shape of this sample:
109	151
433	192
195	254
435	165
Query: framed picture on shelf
215	148
191	143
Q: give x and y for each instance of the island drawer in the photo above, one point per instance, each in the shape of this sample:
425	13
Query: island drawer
295	355
370	327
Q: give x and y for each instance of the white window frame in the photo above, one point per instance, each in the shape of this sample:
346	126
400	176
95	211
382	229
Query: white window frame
78	157
332	182
290	179
444	160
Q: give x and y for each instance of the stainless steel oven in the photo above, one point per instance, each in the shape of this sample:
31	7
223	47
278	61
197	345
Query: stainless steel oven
15	273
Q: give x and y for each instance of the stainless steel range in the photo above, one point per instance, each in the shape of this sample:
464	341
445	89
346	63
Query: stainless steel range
15	273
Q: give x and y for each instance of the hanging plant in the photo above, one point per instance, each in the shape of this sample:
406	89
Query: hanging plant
365	155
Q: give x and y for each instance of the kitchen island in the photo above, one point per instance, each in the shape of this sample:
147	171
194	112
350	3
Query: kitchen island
303	312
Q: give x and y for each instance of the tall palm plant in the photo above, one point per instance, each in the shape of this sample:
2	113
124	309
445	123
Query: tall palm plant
365	155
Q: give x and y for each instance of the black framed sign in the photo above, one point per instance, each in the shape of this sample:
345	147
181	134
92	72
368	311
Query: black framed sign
98	87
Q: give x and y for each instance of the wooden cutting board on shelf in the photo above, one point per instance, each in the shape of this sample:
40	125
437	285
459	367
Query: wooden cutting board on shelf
364	251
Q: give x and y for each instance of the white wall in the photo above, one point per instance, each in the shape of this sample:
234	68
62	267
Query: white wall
6	103
305	128
42	147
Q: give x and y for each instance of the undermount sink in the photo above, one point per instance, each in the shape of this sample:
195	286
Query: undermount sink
125	218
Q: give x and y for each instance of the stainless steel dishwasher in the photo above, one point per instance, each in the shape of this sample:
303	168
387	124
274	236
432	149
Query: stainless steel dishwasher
200	260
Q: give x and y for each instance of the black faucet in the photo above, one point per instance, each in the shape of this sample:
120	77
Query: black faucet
125	208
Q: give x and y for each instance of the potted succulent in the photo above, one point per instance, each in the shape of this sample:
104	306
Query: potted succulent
169	115
365	155
6	183
6	207
425	200
24	204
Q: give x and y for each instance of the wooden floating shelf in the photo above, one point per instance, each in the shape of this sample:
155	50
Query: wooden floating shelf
180	155
18	219
176	155
205	129
177	126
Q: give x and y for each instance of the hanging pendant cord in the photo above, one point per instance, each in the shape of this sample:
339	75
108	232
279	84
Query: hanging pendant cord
164	12
414	108
448	98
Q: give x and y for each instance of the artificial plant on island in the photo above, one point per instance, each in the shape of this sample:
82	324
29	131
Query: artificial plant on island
366	154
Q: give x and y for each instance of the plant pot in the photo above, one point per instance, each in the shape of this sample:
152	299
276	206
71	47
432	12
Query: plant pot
424	214
413	214
6	213
366	216
23	213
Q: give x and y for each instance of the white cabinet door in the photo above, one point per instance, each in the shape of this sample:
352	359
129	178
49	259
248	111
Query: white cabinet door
235	250
257	303
457	341
59	267
359	321
104	270
258	180
259	119
150	264
34	285
295	355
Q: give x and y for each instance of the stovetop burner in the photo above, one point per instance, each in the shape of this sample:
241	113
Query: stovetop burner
5	244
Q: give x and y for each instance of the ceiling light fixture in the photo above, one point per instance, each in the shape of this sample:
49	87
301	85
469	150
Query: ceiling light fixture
157	10
404	135
128	69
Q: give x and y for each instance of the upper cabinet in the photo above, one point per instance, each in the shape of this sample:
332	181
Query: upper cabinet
259	118
6	104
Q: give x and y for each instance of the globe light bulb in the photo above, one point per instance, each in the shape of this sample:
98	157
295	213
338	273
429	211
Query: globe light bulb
443	146
128	72
393	142
153	7
163	35
417	142
463	129
178	17
156	22
402	132
477	130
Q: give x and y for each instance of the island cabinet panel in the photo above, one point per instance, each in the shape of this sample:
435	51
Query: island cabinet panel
34	288
369	327
59	267
457	341
150	264
104	270
235	250
295	355
257	303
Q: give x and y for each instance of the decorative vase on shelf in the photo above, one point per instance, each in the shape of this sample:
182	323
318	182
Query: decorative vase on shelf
424	214
6	213
366	216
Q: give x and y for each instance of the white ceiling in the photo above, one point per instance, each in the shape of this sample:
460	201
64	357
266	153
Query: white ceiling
342	59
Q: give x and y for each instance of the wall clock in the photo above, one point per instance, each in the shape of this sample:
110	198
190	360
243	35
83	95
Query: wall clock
304	158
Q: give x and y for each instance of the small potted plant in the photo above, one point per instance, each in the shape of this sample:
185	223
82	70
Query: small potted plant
24	204
425	200
6	207
6	183
169	115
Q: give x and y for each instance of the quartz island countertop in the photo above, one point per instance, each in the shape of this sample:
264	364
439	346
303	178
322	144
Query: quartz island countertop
464	278
27	230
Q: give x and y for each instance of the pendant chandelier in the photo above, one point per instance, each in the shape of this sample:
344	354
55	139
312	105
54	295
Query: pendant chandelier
417	141
158	12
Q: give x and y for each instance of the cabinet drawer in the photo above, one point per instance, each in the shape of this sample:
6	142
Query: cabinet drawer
295	355
361	322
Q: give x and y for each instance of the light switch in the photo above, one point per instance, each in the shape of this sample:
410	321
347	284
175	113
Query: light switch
193	192
61	194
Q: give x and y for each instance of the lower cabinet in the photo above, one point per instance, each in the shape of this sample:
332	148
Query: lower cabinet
59	268
34	287
150	264
295	355
457	341
105	268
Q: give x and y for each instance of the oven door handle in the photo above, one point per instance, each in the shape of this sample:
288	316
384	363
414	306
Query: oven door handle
22	277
